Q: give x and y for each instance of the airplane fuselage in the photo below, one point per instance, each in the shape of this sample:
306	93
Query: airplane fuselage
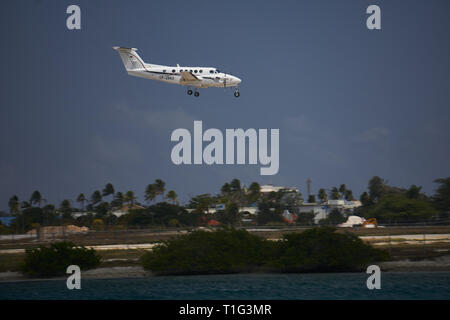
171	74
196	77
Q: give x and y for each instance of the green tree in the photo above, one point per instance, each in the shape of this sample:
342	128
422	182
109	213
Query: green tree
54	260
377	188
441	198
269	211
160	187
365	199
322	195
399	208
65	206
150	192
232	215
81	199
108	190
235	185
342	189
14	205
413	192
335	217
306	218
129	198
172	196
254	192
36	198
226	189
349	195
118	200
201	203
334	194
96	197
50	215
312	198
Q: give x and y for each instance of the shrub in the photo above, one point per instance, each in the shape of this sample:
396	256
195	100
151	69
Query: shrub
230	250
200	252
54	260
324	250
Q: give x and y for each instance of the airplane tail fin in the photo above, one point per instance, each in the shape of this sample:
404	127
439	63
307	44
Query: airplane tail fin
130	58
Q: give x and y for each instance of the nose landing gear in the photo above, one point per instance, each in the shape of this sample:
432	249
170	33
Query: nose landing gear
236	93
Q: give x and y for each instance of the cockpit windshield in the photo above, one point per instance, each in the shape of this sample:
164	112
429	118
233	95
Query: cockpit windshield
217	71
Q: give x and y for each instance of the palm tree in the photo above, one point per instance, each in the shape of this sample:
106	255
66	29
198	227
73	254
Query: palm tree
322	195
226	189
65	206
14	204
334	194
108	190
254	192
96	197
342	189
235	185
81	199
171	195
349	195
160	187
150	192
36	198
129	198
118	199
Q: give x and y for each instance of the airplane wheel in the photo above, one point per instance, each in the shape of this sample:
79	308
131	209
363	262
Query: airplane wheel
237	94
189	92
196	93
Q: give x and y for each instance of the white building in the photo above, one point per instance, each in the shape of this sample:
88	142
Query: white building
321	210
271	188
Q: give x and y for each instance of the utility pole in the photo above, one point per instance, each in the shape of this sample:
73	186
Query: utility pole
308	186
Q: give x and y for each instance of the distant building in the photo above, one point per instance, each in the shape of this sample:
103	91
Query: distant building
271	188
125	209
321	210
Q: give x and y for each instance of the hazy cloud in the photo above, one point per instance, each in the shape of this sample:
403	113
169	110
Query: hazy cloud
378	134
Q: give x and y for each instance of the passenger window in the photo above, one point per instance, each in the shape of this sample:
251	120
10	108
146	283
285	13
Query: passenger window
173	71
201	71
195	71
210	71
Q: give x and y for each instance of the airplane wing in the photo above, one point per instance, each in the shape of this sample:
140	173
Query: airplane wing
188	77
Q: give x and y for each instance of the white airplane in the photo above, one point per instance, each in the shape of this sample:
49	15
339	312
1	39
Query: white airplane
196	77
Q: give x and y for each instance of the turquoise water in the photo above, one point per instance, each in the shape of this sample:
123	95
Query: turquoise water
417	285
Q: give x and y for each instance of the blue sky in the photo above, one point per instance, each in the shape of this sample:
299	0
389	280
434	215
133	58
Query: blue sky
350	103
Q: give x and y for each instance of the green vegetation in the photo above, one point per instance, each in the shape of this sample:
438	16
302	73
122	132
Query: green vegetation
230	251
390	204
117	210
399	208
323	250
54	260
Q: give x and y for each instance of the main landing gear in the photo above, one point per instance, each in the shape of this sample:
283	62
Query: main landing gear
196	93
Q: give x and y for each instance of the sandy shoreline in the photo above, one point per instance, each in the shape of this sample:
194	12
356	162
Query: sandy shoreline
441	264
